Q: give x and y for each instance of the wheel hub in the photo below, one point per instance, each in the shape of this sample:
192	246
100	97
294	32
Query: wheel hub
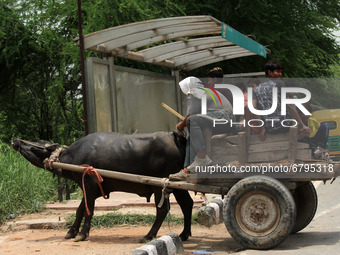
257	214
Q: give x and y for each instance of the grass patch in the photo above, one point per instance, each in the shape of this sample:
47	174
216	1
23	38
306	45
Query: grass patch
24	188
119	219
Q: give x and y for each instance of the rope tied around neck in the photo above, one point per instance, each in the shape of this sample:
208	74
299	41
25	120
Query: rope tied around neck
54	157
165	194
91	171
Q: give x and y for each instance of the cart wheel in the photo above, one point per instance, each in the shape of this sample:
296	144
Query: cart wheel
306	200
259	212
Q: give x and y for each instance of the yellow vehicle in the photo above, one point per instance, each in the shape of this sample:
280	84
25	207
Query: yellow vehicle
332	117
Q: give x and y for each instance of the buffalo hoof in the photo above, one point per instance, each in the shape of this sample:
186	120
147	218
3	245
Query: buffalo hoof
145	239
184	236
70	235
80	237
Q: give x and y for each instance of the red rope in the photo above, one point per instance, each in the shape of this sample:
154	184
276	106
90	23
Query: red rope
91	171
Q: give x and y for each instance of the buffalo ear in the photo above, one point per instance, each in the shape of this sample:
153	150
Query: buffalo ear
52	147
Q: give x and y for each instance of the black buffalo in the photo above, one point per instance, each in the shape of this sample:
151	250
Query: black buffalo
158	154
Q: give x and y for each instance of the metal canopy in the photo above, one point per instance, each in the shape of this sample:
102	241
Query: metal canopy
183	43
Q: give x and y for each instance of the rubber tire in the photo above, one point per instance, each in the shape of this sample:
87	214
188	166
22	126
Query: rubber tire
280	195
306	200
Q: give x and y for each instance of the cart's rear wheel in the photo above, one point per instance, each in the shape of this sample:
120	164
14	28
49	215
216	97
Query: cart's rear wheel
259	212
306	200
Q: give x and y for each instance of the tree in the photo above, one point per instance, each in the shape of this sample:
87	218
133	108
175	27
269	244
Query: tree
40	94
297	32
40	79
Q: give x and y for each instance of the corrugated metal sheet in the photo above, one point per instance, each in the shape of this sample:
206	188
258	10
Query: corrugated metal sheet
183	43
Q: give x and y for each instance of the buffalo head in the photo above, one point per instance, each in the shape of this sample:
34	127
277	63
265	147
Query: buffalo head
34	152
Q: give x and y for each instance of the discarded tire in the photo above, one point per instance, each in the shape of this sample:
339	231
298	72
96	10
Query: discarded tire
259	212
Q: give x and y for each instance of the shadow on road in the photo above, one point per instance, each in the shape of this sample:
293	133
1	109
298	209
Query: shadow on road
308	239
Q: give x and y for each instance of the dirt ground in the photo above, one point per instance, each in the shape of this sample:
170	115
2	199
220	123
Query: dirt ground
21	236
17	237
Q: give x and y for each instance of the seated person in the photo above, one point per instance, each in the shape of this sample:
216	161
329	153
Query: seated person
253	82
196	123
263	100
215	76
319	131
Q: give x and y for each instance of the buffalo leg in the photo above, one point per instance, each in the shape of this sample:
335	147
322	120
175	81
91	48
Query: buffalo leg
68	195
84	233
160	216
60	189
74	229
186	203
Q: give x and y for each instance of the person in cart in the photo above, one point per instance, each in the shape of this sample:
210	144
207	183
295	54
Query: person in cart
196	155
319	134
263	99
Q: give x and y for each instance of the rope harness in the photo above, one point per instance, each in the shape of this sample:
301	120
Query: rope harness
91	171
165	193
54	157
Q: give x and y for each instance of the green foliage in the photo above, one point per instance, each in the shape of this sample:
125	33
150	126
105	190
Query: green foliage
39	98
40	92
23	187
297	33
336	70
324	91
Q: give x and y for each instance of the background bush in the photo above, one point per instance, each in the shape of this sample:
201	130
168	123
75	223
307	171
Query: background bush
24	188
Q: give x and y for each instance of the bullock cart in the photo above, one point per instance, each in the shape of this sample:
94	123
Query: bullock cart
267	187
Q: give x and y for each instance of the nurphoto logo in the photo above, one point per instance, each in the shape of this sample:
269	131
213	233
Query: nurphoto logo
238	105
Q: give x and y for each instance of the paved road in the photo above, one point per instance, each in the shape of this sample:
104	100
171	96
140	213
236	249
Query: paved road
322	235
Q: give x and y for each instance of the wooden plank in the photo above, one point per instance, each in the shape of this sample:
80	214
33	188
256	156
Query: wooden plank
225	150
293	132
267	156
248	133
184	185
232	139
254	139
155	181
181	117
277	155
242	147
223	159
304	154
223	139
275	146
